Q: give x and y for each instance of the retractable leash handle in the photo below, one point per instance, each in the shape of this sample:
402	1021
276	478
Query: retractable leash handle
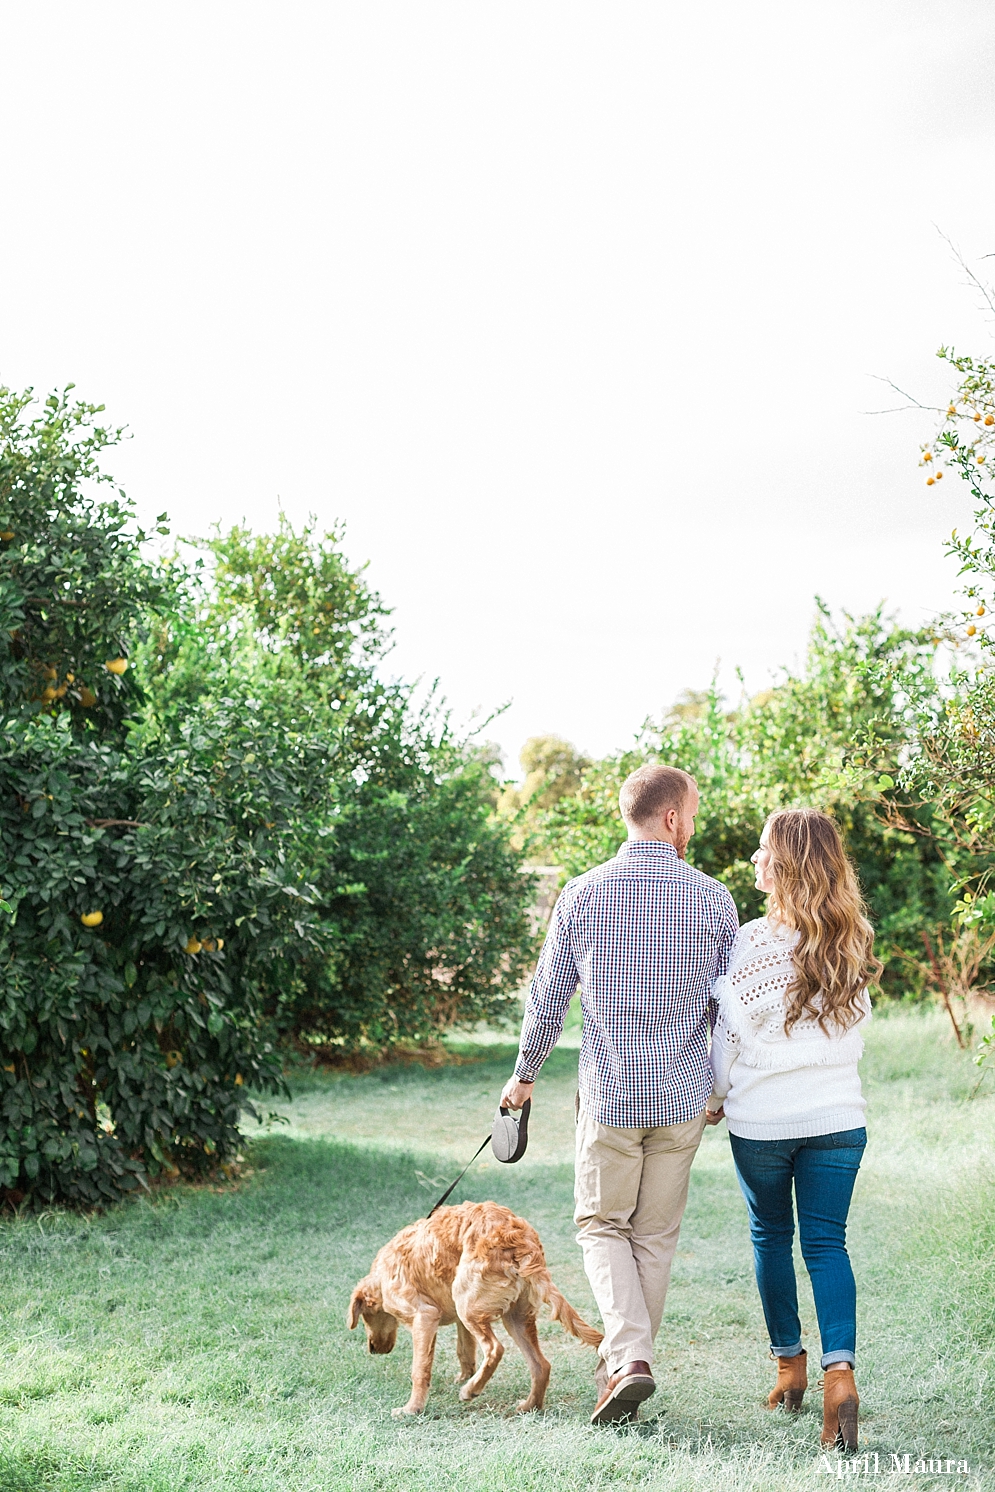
509	1138
510	1135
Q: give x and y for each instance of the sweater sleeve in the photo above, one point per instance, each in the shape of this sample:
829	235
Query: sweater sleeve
724	1051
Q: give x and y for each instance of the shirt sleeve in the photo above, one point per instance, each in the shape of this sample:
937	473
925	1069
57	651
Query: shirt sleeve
728	931
550	994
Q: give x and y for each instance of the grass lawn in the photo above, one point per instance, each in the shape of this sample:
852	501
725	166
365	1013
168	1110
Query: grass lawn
196	1340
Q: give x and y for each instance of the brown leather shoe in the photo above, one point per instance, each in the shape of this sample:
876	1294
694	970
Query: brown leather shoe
792	1381
624	1392
839	1408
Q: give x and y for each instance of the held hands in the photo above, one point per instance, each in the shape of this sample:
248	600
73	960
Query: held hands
715	1116
514	1093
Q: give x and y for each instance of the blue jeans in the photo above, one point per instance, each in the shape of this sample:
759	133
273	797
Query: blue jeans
823	1169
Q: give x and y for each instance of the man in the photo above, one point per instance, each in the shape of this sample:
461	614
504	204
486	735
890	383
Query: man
645	936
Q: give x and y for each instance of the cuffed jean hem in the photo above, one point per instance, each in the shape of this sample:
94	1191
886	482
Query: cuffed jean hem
795	1351
828	1358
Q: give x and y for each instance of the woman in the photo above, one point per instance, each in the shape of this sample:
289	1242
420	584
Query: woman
785	1050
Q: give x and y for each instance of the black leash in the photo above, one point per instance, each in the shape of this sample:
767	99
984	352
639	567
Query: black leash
450	1189
508	1138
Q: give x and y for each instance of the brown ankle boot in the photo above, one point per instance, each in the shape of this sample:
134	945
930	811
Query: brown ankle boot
792	1381
839	1408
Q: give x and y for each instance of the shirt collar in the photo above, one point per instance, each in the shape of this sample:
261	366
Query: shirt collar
638	848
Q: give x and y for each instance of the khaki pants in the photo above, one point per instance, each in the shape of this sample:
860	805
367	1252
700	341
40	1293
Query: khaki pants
630	1191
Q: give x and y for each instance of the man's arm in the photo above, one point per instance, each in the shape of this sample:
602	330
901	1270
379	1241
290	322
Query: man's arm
550	994
721	1055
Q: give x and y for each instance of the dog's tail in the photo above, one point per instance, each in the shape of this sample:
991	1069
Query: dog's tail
564	1313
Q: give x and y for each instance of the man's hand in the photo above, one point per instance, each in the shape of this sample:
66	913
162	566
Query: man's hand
514	1093
715	1116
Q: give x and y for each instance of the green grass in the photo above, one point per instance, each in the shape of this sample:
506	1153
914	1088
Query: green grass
196	1340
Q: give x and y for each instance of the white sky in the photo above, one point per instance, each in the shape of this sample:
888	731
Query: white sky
568	310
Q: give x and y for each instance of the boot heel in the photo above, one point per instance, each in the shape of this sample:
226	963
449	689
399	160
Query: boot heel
846	1439
793	1399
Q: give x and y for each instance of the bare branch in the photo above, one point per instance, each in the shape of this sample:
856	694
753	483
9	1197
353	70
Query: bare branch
912	404
979	285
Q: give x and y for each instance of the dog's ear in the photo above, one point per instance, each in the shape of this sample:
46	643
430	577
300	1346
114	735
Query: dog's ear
367	1296
355	1308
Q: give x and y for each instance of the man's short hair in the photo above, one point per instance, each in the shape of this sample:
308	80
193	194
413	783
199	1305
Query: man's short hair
652	791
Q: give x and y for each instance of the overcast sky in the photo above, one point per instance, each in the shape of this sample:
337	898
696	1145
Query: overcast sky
567	310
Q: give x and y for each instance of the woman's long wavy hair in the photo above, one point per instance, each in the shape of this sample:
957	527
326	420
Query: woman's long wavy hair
816	892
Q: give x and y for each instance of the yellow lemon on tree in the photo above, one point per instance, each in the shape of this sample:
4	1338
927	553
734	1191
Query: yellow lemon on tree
6	534
193	945
92	919
116	665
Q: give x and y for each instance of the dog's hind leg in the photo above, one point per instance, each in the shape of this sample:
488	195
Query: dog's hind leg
483	1330
520	1322
424	1329
466	1351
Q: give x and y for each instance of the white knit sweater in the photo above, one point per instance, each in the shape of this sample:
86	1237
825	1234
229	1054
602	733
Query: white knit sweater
773	1086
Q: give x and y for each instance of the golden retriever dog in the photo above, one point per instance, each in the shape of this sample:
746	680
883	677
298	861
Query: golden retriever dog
470	1264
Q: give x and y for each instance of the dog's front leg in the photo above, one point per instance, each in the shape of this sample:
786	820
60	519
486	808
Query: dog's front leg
493	1353
424	1329
466	1351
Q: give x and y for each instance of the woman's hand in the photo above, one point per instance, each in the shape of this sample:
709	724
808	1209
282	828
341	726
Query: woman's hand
715	1116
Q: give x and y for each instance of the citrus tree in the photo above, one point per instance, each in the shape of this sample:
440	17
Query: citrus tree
159	887
418	892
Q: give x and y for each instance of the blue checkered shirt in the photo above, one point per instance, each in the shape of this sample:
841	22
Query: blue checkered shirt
645	936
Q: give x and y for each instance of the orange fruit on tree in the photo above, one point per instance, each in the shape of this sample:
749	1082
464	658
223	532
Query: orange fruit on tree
930	481
116	665
927	455
980	611
6	534
990	419
193	945
971	630
87	698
